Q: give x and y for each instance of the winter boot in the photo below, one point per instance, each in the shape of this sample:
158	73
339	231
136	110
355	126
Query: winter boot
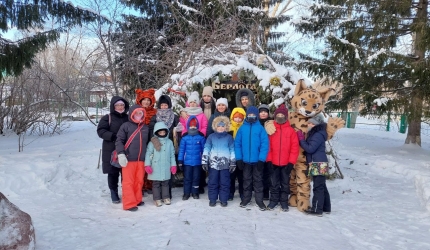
212	203
224	204
201	190
261	205
284	207
196	196
140	204
185	197
244	204
314	213
167	201
114	196
158	203
230	196
272	206
133	209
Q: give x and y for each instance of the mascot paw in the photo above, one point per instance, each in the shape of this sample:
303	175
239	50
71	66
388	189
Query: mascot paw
292	202
303	205
333	125
270	127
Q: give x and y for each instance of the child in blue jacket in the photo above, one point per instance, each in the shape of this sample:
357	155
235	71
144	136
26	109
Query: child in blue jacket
190	158
219	160
251	146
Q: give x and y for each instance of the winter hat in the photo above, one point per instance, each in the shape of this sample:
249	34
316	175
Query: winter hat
222	101
141	94
252	110
193	98
119	102
238	115
243	93
281	109
263	107
208	90
163	100
318	119
193	122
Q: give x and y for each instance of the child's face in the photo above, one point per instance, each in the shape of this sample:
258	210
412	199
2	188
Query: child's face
238	119
164	106
161	132
264	115
221	108
220	129
138	115
193	104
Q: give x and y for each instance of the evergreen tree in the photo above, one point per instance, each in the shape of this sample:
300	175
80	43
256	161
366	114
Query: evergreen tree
32	15
365	54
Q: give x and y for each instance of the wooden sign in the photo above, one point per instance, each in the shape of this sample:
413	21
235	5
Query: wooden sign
235	85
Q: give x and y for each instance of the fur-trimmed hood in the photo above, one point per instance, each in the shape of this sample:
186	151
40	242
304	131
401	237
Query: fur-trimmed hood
219	119
251	98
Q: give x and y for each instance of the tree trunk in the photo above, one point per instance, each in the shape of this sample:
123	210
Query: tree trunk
416	104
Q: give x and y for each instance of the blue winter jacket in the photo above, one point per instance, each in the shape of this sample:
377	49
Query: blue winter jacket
191	147
252	142
314	145
162	160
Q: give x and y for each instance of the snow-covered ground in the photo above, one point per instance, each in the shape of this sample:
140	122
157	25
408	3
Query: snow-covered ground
382	203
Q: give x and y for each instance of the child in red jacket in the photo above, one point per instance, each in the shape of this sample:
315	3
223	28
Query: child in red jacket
283	154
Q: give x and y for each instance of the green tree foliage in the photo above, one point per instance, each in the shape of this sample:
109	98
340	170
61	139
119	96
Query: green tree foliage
32	15
373	49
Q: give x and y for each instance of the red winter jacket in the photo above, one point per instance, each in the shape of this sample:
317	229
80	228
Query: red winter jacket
284	145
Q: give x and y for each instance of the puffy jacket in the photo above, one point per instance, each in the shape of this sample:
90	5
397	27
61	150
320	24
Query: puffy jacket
219	148
210	130
314	145
252	142
284	145
137	148
107	129
234	125
191	147
162	160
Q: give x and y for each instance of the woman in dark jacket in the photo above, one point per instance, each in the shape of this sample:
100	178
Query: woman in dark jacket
107	129
314	146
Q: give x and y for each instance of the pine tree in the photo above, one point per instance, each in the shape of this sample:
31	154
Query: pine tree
365	54
32	15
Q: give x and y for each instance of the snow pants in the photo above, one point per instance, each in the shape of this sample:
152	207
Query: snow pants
132	183
237	174
321	200
218	185
160	190
280	188
252	177
191	179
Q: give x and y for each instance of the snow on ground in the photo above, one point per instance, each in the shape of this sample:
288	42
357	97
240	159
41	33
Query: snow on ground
382	203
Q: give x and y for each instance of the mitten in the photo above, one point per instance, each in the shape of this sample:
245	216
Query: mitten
290	165
113	137
179	127
270	127
232	168
239	164
181	165
156	143
148	169
173	169
205	167
122	160
300	135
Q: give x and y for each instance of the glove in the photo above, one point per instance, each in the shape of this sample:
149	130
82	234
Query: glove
260	165
205	167
148	169
156	143
179	127
232	168
113	137
181	165
270	127
122	160
239	164
300	135
290	165
173	169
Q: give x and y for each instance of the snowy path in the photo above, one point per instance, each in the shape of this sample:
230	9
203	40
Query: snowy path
374	207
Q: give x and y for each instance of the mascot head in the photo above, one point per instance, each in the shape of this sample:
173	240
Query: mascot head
309	102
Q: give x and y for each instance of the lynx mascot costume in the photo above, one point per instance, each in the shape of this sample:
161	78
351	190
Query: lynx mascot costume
306	103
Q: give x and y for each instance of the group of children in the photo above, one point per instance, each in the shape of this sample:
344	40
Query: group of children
226	146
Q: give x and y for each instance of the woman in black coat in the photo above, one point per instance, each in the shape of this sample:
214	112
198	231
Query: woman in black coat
107	129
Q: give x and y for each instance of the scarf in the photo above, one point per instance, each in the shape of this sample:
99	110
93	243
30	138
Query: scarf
208	110
165	115
192	111
150	112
